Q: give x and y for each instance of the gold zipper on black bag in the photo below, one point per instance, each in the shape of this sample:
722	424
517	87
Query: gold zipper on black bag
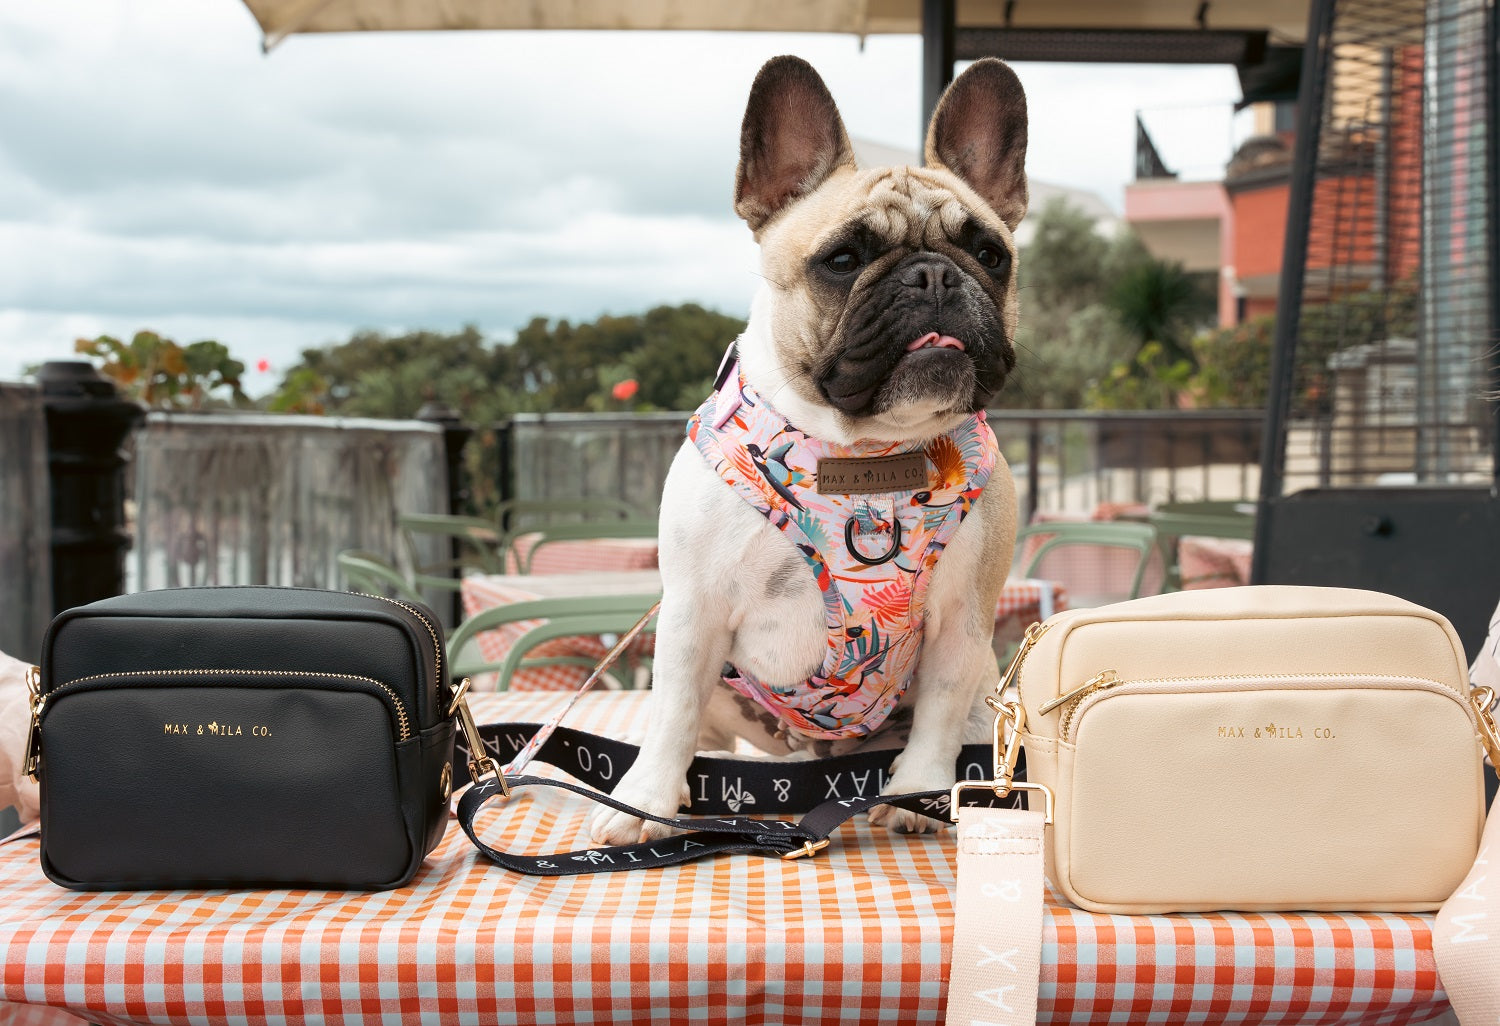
437	645
402	720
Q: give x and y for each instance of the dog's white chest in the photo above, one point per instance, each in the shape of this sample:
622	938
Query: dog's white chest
766	598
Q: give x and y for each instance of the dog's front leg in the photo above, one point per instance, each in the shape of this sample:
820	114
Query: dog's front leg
958	661
688	658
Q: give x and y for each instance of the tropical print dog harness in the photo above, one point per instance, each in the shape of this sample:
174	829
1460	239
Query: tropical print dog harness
872	553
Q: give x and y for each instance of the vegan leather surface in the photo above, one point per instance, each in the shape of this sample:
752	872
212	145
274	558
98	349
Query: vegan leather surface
1159	810
226	737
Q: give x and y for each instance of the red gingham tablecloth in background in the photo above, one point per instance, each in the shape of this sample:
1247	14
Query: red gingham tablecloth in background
1213	562
858	935
583	555
485	592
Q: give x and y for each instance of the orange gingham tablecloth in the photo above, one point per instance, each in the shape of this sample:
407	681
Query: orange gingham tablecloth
860	934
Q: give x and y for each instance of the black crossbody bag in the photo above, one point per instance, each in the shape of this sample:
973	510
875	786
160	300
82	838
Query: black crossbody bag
234	737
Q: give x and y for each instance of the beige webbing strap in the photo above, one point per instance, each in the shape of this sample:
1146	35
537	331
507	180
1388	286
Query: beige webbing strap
997	934
1466	935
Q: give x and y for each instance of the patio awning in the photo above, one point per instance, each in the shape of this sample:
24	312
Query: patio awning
1285	20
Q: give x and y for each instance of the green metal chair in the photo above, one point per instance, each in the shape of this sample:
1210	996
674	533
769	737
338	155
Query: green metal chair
367	572
579	532
480	547
1176	520
517	516
572	617
1089	581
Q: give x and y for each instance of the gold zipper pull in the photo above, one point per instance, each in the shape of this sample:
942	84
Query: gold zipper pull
1098	680
34	728
1030	638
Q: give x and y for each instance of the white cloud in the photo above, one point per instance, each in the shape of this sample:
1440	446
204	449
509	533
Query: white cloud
157	171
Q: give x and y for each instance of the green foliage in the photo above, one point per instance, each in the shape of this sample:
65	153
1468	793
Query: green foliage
1154	300
164	375
1234	365
1101	319
671	351
1062	354
1068	338
1151	381
379	375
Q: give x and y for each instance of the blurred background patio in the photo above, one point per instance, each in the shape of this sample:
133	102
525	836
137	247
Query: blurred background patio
1274	366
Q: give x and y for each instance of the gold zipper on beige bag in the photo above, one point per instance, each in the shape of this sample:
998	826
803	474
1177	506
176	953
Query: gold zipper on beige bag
1012	674
403	723
1110	679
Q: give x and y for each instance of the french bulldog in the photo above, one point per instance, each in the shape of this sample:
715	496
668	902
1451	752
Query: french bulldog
885	319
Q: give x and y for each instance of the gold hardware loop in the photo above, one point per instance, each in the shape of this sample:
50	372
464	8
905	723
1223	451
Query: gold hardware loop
1007	752
1048	802
33	760
809	849
481	764
1481	698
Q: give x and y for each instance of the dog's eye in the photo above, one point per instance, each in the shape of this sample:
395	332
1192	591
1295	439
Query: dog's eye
992	257
842	261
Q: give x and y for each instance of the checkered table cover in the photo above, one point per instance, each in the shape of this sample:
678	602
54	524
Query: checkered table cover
858	935
583	555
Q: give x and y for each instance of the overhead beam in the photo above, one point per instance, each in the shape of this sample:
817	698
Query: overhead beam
1122	46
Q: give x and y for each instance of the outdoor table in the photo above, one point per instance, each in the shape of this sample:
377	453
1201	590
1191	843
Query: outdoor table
1021	603
583	555
1205	562
858	934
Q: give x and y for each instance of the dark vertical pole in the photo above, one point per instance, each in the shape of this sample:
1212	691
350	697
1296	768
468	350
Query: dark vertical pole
1315	61
1492	141
937	58
87	423
505	467
1033	467
455	436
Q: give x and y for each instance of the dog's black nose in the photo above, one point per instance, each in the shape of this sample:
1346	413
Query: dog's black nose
929	273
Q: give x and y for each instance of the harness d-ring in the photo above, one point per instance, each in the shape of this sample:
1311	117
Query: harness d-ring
887	556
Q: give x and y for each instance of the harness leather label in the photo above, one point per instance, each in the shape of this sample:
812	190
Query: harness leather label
906	472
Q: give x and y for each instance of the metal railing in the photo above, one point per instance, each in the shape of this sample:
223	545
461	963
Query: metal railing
1064	460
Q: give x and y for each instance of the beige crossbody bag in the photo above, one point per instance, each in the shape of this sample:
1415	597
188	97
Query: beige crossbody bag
1252	749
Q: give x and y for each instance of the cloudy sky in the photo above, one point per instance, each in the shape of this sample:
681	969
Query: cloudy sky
156	170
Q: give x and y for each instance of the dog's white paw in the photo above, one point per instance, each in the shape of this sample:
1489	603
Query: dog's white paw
613	827
902	821
907	775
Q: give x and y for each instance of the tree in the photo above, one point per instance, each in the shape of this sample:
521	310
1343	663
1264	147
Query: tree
1158	301
391	376
1234	365
1067	338
164	375
670	351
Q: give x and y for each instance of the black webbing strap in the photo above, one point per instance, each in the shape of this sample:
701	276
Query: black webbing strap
829	791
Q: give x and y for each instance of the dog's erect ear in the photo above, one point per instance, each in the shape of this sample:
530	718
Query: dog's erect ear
979	133
791	140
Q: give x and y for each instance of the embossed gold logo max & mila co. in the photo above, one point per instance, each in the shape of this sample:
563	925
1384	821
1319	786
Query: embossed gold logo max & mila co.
217	729
1273	732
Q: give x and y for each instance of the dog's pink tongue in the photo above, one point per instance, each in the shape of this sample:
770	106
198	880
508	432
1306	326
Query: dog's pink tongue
932	340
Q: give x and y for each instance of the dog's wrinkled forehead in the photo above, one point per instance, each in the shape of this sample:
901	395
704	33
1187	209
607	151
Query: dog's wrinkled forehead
912	208
905	205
